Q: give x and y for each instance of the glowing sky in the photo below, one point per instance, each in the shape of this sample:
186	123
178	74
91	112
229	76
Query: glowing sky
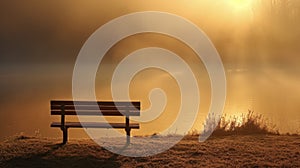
258	42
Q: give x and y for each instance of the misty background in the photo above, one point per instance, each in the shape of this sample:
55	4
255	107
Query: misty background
40	40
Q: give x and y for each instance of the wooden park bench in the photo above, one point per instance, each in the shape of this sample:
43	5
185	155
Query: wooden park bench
91	108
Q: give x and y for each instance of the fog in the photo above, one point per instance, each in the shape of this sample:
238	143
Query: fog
40	40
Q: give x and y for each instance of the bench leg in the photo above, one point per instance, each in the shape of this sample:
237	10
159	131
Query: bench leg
65	135
128	136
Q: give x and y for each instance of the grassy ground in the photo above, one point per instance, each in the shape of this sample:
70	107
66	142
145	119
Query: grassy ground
221	151
250	143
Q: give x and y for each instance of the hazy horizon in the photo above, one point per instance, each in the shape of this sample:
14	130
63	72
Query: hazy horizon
258	42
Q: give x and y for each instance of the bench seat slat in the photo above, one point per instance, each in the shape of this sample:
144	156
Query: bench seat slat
101	103
97	113
95	125
95	107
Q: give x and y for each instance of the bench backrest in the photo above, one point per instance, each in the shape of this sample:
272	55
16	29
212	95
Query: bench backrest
104	108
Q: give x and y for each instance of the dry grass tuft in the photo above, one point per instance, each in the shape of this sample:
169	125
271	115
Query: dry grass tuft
249	124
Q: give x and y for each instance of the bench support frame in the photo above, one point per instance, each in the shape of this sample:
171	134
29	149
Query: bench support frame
64	127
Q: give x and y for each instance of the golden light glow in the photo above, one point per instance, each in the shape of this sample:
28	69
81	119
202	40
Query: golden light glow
239	120
240	4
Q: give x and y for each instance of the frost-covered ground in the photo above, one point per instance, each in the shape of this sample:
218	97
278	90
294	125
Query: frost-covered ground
222	151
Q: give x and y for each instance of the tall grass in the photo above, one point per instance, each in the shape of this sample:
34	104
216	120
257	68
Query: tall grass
248	124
